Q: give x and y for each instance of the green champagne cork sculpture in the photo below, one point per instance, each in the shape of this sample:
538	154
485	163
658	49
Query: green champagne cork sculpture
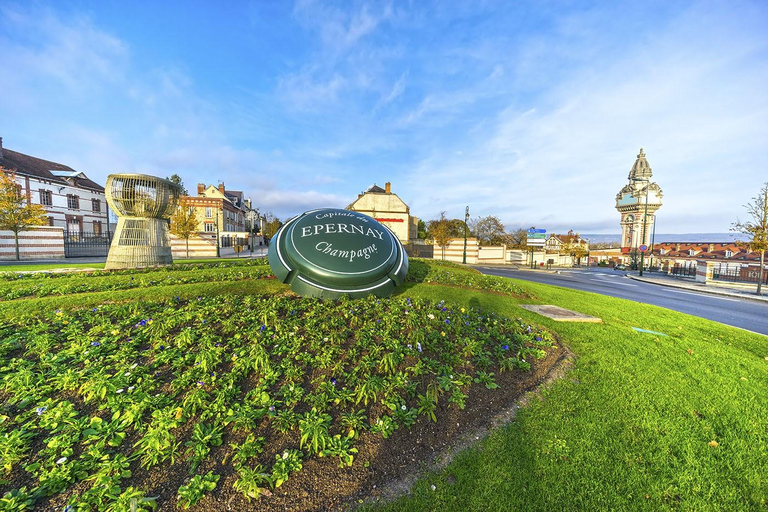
330	253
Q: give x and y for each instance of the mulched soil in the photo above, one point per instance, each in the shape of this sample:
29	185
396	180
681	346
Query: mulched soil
393	464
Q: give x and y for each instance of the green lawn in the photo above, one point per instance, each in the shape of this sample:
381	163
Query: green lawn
642	421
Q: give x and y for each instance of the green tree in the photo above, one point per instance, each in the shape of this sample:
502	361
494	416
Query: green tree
422	230
16	213
757	229
184	223
272	225
175	178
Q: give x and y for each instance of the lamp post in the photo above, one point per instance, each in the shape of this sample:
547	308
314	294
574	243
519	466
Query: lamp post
218	237
466	220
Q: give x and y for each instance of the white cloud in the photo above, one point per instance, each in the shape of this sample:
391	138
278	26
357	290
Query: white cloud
287	203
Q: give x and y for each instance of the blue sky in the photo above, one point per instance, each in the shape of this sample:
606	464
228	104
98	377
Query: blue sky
531	111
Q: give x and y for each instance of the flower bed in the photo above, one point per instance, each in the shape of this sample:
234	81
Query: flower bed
229	397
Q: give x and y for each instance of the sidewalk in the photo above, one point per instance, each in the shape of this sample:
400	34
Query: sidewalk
686	284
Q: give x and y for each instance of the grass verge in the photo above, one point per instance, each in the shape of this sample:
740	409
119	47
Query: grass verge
642	422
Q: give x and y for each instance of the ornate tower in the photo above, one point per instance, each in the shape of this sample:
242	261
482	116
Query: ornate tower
637	203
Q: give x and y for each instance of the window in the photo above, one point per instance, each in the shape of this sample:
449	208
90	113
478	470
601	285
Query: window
728	253
97	226
46	198
210	227
691	252
73	225
73	202
96	205
208	212
662	251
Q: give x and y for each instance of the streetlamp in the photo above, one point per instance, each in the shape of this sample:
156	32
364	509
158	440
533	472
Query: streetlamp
466	220
218	237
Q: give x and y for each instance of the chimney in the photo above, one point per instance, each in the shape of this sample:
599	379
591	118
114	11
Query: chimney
711	248
200	188
388	188
221	187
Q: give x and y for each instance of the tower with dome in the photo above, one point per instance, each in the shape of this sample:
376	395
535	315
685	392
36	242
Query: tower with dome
637	203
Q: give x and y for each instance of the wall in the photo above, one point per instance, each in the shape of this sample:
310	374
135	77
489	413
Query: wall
41	242
455	249
202	245
492	254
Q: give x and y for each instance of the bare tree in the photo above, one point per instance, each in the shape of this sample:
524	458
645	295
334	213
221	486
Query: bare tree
488	230
757	228
517	239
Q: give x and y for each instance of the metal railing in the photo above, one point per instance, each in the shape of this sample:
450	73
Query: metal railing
80	244
739	275
683	270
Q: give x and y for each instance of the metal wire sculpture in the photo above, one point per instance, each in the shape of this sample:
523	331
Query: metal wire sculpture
143	205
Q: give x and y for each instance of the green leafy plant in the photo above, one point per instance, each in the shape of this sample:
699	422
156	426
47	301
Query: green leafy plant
198	486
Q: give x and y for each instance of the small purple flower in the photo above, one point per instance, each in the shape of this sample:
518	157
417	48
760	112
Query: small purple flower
95	309
538	338
95	344
162	347
505	347
41	410
218	344
418	347
447	321
333	381
444	309
200	383
263	327
142	322
271	408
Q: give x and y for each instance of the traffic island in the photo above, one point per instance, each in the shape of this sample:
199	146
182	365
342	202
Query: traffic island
559	314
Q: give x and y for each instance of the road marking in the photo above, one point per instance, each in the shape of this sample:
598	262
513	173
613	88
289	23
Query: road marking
708	295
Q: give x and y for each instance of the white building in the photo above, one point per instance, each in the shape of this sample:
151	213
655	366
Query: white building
74	202
387	208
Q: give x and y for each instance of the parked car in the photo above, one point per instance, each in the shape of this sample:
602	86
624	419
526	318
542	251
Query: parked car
620	266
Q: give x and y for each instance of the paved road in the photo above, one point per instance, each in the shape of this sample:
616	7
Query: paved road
744	313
